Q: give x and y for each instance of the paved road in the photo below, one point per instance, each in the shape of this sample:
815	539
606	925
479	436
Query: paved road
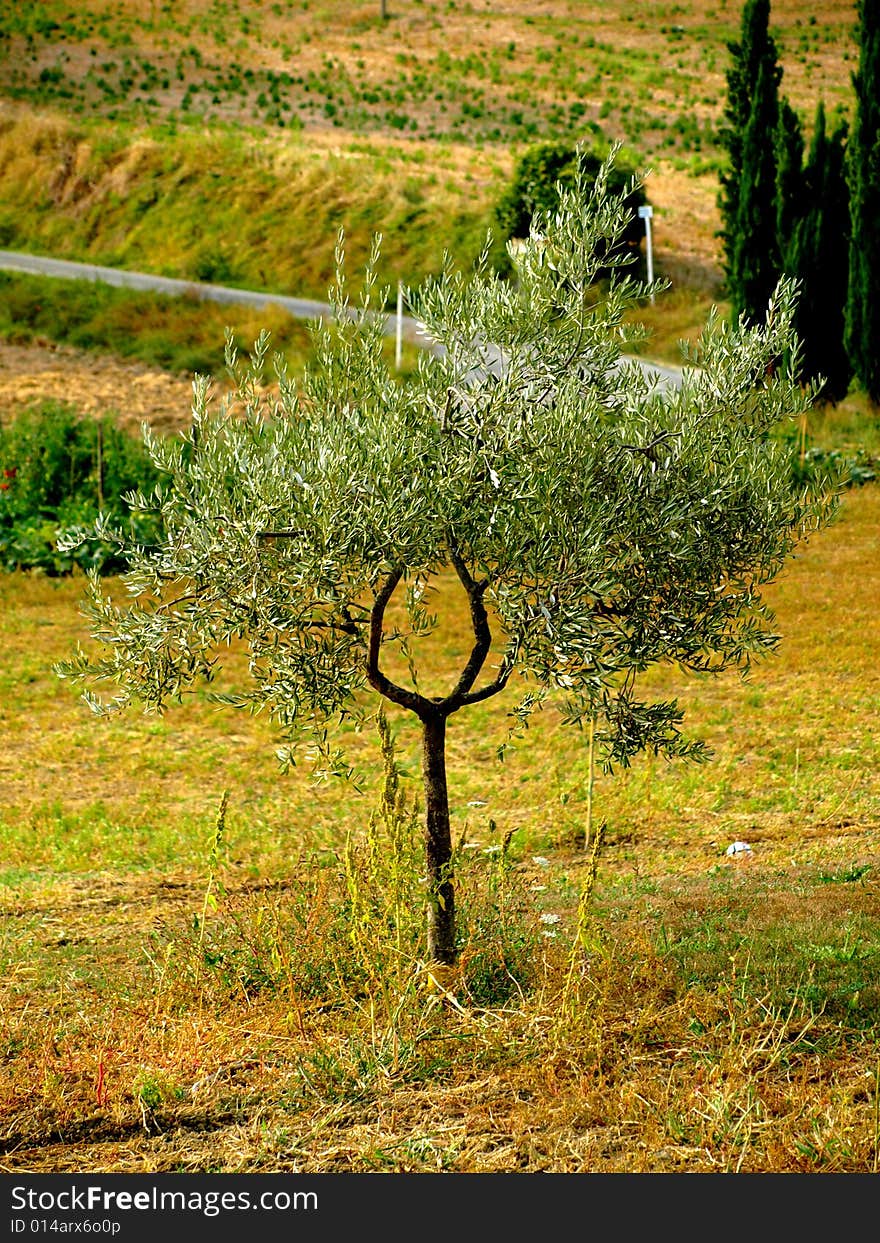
299	308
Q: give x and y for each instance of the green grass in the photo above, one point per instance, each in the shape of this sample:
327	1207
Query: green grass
853	424
178	334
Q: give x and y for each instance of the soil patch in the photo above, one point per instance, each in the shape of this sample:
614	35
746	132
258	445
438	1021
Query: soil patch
96	384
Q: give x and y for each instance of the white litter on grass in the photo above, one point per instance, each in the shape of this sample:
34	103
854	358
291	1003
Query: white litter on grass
550	919
739	848
541	861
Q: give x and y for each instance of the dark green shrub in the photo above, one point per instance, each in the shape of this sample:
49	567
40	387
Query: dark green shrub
534	187
58	470
853	469
215	267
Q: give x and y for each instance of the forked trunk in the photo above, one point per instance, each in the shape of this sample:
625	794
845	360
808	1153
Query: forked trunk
433	714
441	896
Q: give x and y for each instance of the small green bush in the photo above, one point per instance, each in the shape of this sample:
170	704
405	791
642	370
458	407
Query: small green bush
848	469
535	187
58	471
854	469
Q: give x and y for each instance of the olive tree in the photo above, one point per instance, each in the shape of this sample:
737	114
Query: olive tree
596	523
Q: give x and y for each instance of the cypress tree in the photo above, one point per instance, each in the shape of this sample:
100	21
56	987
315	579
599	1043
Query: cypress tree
789	156
818	255
736	115
755	261
748	189
863	301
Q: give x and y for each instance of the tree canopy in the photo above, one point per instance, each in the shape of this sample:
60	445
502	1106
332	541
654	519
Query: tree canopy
596	523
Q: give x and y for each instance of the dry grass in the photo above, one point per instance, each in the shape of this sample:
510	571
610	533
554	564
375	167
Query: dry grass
94	384
152	203
112	1068
712	1015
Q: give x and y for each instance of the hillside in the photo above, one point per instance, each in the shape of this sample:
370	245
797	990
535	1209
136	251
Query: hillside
232	140
480	73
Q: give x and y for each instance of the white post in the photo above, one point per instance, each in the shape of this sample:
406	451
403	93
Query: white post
645	214
398	349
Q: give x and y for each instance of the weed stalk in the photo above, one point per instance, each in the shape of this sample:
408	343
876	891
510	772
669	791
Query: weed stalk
213	867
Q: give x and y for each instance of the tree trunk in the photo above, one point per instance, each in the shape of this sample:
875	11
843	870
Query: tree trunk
433	714
438	842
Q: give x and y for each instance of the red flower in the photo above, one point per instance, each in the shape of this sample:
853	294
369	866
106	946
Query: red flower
10	474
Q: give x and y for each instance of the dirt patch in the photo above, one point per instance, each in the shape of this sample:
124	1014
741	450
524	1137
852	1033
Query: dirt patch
95	384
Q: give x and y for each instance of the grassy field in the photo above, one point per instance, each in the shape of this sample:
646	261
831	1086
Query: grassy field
179	995
479	72
234	206
176	335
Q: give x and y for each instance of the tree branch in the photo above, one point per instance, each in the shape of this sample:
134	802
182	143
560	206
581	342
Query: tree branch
347	626
463	694
648	449
282	533
480	623
377	679
486	692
